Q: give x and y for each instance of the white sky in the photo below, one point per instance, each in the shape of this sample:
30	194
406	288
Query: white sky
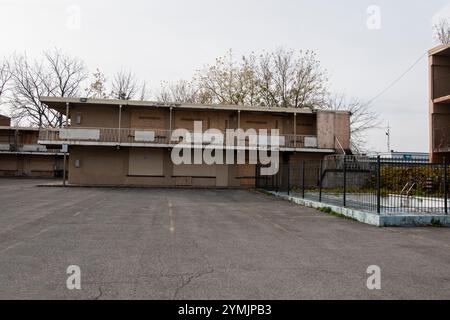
168	40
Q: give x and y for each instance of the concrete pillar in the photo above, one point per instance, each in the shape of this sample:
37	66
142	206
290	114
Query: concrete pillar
239	119
65	149
170	119
120	122
295	130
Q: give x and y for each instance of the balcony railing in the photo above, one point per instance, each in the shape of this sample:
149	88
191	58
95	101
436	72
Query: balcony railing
441	139
142	137
28	148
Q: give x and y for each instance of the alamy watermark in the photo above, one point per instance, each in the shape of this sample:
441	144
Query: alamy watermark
374	280
73	21
373	21
74	279
214	147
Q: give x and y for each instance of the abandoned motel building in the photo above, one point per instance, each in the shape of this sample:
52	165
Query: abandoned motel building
130	143
120	142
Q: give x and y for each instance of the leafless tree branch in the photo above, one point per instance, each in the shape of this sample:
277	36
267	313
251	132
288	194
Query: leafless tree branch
442	31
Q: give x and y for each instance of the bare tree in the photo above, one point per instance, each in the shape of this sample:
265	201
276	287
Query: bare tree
97	88
181	92
5	77
362	119
291	79
442	31
279	79
124	85
66	74
282	78
144	92
28	87
55	75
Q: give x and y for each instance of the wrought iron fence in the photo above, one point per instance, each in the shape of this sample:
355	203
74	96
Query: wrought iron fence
381	185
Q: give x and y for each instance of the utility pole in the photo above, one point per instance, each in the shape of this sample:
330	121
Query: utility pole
388	134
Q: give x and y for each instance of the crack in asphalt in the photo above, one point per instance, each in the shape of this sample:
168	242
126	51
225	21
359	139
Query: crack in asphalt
189	279
100	293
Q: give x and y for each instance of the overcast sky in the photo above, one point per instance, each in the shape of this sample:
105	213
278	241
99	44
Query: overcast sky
364	49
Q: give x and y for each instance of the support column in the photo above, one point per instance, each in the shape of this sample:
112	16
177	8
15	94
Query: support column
170	120
66	147
120	123
239	119
295	130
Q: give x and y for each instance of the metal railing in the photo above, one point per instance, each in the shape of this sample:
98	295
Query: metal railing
159	136
16	147
376	185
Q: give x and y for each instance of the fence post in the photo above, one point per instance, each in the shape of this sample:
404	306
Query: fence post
378	184
277	186
445	185
345	181
289	178
303	179
320	180
256	177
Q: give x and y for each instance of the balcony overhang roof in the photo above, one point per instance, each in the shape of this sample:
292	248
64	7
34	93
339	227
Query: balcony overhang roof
441	50
19	128
59	104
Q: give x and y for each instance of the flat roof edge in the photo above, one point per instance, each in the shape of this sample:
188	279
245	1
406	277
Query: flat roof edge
137	103
438	49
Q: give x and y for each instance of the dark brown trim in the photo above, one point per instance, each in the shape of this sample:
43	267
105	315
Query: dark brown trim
207	177
144	176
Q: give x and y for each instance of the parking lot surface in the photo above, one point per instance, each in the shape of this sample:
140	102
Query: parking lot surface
203	244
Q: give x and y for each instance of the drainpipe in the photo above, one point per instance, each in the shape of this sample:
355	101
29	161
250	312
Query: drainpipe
66	146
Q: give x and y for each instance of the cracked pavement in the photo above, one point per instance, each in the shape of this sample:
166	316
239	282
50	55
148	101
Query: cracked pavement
203	244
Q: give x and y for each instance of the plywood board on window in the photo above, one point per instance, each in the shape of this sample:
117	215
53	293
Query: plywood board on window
145	162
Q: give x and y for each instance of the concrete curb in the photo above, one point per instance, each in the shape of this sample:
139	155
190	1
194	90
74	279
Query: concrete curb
406	220
132	186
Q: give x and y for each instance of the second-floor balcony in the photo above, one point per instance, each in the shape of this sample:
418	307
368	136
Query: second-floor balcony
154	138
27	148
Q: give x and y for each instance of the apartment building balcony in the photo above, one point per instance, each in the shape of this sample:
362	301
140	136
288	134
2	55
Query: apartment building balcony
7	148
152	138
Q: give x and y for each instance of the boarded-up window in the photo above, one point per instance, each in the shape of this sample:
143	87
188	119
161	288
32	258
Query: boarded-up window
145	162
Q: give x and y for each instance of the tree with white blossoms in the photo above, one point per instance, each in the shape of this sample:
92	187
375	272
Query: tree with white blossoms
281	79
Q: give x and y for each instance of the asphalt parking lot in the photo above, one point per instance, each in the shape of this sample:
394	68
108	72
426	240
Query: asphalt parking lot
203	244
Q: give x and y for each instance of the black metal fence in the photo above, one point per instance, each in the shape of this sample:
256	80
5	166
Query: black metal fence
381	185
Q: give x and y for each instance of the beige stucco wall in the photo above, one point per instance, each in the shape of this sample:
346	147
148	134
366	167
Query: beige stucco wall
29	165
110	166
104	116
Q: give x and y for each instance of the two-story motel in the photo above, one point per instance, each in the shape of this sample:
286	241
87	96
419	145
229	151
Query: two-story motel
22	156
122	142
439	105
